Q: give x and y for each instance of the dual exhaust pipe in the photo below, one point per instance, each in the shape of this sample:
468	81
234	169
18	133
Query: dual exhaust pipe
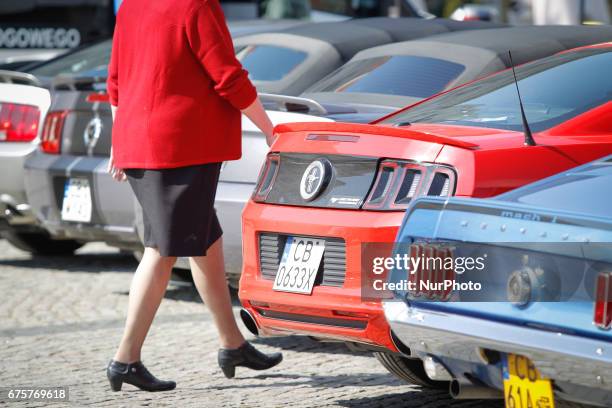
249	322
466	389
458	388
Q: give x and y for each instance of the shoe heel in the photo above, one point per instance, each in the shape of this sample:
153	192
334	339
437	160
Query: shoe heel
229	371
115	383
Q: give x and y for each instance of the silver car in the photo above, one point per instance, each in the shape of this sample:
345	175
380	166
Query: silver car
24	101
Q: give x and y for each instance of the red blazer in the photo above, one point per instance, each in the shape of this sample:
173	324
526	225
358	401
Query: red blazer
177	83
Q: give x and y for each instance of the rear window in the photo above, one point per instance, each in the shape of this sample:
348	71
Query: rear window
269	62
554	90
91	58
402	75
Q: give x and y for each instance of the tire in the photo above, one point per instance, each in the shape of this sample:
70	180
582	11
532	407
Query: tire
41	243
409	369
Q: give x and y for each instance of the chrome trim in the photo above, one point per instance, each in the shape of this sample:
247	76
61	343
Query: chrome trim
559	356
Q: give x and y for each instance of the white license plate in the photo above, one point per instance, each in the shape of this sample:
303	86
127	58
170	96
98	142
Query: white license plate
76	205
299	265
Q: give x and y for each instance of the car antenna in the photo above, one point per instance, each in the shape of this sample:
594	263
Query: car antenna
529	141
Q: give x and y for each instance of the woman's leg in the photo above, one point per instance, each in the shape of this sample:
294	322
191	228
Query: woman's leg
146	292
209	276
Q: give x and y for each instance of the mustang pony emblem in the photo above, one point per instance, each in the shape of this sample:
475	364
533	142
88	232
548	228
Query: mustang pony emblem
314	179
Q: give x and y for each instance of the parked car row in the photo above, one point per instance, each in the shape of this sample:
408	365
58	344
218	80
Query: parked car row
327	190
348	169
79	127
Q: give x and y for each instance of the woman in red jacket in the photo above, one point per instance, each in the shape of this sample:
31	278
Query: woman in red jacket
177	93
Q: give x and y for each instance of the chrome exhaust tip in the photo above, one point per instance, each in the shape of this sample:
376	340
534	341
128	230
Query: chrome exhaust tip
465	389
249	322
435	370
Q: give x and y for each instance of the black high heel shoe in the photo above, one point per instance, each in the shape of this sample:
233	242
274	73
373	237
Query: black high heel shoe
246	356
137	375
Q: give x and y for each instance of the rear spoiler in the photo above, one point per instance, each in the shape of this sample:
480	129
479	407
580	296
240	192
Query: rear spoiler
21	78
339	128
78	83
292	104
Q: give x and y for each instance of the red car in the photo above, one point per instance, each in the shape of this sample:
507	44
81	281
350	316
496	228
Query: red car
328	188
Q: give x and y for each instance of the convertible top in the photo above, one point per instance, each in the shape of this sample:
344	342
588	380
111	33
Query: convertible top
480	53
350	36
527	43
483	52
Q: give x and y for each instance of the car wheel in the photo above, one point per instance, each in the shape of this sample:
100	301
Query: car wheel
41	243
408	369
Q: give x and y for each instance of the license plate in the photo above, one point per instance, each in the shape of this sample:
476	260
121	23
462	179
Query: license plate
299	265
524	387
76	205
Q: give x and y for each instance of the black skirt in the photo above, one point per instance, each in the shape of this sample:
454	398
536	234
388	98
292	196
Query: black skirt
178	208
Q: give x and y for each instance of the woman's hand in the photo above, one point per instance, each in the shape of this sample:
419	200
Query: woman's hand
259	117
117	173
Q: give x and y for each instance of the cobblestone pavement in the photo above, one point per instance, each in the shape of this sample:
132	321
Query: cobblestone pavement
61	318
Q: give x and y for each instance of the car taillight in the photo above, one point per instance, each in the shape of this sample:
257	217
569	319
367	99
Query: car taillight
397	183
603	301
18	123
51	139
431	277
267	175
98	97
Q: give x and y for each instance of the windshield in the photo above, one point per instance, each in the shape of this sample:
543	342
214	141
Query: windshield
554	90
403	75
91	58
569	191
269	62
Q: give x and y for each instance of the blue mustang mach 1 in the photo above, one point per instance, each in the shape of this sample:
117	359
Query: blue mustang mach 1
538	328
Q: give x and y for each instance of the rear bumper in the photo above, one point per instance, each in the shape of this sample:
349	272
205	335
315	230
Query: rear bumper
575	363
113	213
14	208
330	312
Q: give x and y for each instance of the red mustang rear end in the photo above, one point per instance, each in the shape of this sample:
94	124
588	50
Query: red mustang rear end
326	189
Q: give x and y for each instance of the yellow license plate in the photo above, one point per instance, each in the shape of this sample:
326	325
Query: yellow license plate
524	387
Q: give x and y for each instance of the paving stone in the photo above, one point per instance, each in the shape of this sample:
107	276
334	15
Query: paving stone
61	319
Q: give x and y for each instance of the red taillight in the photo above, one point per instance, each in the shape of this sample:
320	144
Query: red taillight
603	301
397	183
267	176
433	273
51	139
98	97
18	123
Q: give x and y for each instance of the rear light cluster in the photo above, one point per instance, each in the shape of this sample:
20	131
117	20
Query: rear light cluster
51	139
101	97
398	182
603	301
18	123
267	175
434	270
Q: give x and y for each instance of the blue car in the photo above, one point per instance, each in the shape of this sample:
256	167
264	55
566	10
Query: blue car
530	321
